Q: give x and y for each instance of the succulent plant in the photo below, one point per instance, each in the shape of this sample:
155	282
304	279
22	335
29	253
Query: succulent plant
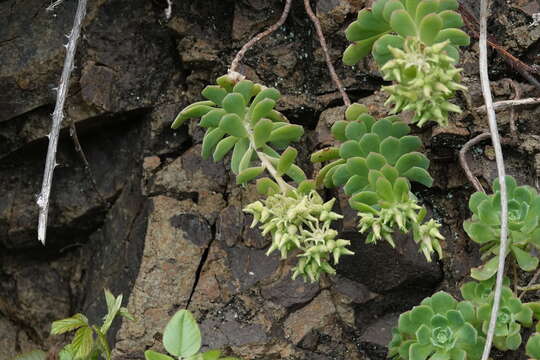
512	315
300	221
415	43
523	223
439	328
512	312
239	116
375	164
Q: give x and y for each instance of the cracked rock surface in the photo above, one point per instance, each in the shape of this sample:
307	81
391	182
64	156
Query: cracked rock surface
167	229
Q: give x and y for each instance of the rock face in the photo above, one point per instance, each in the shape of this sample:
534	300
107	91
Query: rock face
167	228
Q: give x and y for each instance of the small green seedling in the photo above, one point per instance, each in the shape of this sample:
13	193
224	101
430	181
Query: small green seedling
90	341
182	340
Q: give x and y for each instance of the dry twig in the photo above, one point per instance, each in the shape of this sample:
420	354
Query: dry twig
508	104
486	91
529	285
322	40
58	115
521	67
250	43
463	160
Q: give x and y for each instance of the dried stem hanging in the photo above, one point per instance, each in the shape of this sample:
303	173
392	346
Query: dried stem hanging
322	40
240	55
57	117
463	160
486	91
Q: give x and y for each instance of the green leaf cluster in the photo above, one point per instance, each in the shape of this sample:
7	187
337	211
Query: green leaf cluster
416	44
375	164
513	314
533	346
523	226
90	341
239	116
439	328
300	221
182	339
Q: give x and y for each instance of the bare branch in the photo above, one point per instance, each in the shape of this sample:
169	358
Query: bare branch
322	40
508	104
87	169
54	5
250	43
58	115
530	285
463	160
486	91
168	10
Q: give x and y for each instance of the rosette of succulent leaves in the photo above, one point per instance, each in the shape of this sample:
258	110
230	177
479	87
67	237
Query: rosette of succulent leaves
239	116
375	163
513	314
523	227
415	43
439	328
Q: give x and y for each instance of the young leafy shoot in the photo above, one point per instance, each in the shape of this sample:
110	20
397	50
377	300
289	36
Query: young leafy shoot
182	339
375	164
415	42
90	341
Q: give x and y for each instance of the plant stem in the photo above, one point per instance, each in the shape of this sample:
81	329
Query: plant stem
250	43
484	78
529	288
265	161
463	160
322	40
58	116
506	104
526	288
272	170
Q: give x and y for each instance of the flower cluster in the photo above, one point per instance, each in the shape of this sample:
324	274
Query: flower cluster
299	221
425	78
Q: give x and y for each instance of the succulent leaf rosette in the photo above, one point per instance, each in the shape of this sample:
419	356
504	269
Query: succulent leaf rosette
239	116
375	164
415	42
440	328
523	226
513	314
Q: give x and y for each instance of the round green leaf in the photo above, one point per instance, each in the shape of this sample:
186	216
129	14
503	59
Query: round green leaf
223	147
338	130
354	111
261	132
182	336
287	159
430	27
233	125
456	36
234	103
402	23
